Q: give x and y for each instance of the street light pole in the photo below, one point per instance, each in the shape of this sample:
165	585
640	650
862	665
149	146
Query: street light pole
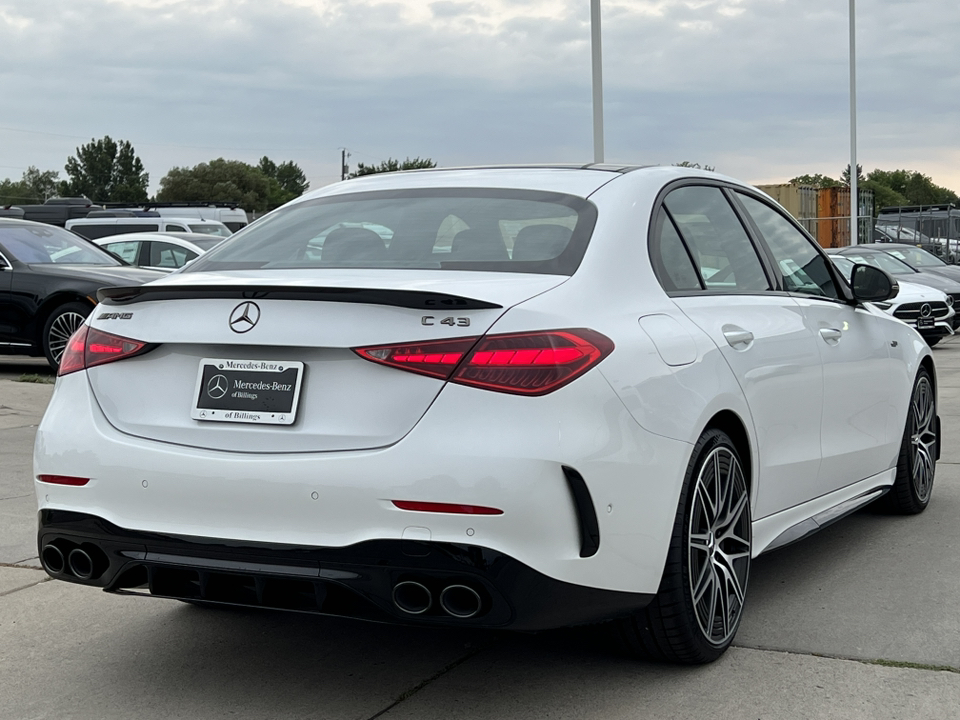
854	196
597	81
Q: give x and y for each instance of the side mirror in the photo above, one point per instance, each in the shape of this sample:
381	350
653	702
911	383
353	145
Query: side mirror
871	284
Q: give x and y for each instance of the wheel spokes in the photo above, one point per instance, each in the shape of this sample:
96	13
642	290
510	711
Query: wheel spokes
923	439
718	545
61	331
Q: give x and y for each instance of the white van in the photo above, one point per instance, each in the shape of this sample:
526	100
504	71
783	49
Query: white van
98	227
227	213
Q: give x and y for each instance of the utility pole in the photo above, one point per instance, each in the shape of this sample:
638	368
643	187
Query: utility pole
344	168
597	81
854	196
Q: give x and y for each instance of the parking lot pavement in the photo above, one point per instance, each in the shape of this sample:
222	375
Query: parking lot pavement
13	367
21	408
858	621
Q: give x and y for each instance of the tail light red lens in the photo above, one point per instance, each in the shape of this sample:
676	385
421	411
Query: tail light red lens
533	363
90	347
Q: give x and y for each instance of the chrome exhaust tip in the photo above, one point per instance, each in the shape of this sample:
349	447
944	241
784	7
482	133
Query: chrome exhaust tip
412	597
460	601
52	558
81	564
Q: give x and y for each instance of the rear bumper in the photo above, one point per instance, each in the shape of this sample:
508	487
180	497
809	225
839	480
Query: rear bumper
357	581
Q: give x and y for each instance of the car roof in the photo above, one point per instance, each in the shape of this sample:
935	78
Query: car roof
175	238
574	179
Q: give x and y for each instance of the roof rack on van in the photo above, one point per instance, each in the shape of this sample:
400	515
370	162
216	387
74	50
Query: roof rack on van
149	205
917	208
122	213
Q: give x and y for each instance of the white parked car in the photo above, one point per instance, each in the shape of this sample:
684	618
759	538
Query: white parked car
159	251
928	310
509	398
95	228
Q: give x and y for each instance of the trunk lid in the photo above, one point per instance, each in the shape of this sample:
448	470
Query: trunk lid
309	317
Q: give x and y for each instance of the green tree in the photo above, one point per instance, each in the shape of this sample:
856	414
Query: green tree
907	187
106	171
817	180
391	165
288	180
15	192
688	164
219	180
33	188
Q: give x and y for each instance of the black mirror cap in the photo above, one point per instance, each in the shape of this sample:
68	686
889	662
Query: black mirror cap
871	284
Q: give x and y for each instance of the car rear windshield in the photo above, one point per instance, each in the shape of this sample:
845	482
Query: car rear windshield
443	229
44	245
210	229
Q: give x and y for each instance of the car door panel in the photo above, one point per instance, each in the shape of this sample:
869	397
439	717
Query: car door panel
772	352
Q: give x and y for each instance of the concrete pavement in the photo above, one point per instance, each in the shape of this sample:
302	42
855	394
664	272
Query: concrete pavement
831	629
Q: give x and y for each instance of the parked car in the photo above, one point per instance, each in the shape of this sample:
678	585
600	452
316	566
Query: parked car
49	279
159	251
931	312
899	269
59	210
508	398
918	259
230	214
100	227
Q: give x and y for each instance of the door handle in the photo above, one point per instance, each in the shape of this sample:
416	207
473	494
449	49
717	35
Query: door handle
831	335
737	336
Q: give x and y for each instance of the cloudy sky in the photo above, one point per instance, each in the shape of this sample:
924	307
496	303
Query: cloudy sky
757	88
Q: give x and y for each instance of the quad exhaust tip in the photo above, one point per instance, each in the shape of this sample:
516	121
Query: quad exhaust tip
53	559
460	601
412	597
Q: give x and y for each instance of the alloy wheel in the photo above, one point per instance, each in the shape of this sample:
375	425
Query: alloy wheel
718	547
923	438
61	331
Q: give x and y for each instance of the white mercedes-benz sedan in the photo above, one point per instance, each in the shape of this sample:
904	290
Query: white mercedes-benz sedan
505	397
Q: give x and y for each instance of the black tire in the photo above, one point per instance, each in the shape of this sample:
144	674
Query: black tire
917	463
676	627
59	326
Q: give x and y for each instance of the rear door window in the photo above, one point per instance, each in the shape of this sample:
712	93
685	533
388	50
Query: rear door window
126	251
803	268
721	249
671	261
168	255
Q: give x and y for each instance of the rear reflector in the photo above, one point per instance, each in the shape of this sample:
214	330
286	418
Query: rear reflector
446	508
533	363
90	347
63	480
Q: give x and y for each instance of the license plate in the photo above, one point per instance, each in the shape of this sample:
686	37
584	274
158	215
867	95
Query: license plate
925	322
264	392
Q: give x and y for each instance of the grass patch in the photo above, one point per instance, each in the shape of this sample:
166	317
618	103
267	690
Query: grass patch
36	378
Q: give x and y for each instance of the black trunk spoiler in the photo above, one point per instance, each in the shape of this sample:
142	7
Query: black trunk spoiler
416	299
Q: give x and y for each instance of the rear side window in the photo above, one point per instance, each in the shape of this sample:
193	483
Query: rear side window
718	242
168	255
480	229
671	262
175	228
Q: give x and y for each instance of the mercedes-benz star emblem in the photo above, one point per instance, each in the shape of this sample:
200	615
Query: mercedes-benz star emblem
244	317
925	310
217	387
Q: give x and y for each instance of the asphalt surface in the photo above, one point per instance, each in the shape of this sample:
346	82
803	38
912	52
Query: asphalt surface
859	621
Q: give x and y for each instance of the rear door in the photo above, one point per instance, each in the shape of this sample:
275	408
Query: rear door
763	336
862	418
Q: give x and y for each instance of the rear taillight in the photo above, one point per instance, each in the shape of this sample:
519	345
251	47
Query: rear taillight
534	363
89	347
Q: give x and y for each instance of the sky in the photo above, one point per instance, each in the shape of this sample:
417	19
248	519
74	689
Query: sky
756	88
